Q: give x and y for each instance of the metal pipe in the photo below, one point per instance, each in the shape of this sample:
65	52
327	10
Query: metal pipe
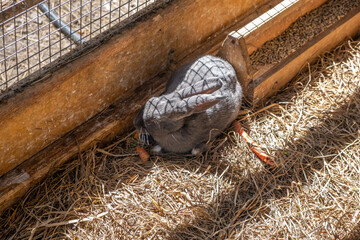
63	26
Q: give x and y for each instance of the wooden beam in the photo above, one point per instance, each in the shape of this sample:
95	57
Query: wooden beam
278	24
239	23
41	114
268	83
115	119
235	52
273	27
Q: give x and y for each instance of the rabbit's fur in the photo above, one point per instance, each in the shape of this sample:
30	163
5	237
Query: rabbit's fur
201	99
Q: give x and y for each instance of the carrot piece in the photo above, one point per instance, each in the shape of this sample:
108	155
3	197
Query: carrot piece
144	155
254	147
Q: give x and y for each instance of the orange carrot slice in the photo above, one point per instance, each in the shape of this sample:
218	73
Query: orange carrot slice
253	145
144	155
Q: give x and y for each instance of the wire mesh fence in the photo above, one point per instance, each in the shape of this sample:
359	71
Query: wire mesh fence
35	33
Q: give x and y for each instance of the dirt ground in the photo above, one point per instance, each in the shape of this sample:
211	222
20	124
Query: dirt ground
311	128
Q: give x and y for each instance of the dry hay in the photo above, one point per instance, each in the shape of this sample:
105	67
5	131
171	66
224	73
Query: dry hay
312	128
302	31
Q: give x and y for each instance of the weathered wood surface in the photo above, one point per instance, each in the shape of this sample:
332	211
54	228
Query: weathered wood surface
269	82
280	23
273	27
217	40
235	51
44	112
117	118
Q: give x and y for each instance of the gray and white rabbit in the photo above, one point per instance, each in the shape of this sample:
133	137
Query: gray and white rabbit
201	99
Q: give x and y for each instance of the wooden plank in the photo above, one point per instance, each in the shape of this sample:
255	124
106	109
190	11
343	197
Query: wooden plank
235	52
273	27
280	23
41	114
271	81
115	119
239	23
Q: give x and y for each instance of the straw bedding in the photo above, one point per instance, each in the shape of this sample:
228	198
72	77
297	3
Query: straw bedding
311	128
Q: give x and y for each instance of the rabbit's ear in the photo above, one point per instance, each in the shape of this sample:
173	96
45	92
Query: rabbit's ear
201	102
206	86
195	104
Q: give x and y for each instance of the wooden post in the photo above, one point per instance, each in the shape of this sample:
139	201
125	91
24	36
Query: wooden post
234	50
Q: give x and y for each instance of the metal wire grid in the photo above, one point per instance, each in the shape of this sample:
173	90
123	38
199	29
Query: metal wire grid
29	41
262	19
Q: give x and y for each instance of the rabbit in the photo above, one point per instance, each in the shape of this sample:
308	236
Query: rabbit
201	99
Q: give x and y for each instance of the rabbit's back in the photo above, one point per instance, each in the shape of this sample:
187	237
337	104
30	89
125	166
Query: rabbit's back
202	68
200	127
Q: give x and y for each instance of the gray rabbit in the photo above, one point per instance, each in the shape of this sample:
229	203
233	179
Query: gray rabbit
201	99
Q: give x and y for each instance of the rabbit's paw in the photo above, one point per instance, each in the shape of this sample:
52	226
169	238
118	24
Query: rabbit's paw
199	149
157	149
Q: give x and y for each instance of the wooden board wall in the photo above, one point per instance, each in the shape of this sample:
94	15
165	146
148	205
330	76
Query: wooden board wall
280	23
46	111
269	82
